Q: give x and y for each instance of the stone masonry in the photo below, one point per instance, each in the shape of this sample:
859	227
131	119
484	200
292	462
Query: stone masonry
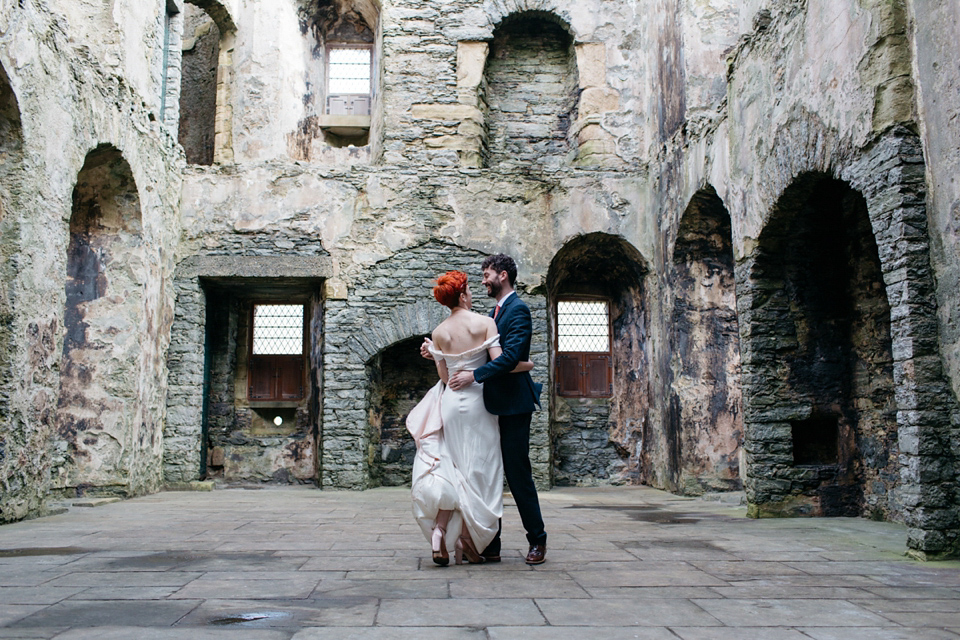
681	160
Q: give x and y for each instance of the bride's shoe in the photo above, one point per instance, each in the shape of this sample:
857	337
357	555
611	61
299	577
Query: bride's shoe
464	547
439	547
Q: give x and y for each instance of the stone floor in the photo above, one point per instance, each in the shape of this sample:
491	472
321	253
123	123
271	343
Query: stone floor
279	563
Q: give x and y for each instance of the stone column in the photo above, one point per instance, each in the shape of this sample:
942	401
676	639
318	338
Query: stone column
892	177
183	430
596	146
223	123
346	456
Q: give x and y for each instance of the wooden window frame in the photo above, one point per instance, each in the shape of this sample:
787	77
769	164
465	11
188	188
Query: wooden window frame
586	366
277	363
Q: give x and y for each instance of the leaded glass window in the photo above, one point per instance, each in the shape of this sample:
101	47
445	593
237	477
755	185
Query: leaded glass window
583	326
584	364
277	329
349	70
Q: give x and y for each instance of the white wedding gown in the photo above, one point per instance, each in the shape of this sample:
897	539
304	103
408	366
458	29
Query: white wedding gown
458	464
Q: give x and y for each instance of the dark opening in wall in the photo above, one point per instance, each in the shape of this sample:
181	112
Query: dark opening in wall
253	433
815	440
399	378
821	347
532	92
705	423
198	85
598	440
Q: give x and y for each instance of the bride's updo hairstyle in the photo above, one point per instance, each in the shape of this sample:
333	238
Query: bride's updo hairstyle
449	287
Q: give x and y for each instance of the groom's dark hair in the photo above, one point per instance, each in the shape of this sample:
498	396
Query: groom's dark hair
502	262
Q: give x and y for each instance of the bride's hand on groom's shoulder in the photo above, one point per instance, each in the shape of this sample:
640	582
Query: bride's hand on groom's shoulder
425	349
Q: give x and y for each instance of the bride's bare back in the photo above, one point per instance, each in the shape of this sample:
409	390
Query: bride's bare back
462	331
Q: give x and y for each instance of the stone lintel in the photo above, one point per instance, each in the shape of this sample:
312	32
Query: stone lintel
276	267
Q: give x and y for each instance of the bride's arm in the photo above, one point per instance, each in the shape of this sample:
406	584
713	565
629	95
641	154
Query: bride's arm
442	370
440	362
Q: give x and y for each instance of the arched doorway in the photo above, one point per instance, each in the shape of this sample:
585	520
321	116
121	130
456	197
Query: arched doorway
821	438
599	389
399	378
99	415
705	415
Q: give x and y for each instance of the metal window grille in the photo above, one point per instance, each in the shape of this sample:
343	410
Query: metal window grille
583	326
278	329
349	70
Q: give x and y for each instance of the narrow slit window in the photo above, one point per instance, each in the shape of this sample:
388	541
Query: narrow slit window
278	329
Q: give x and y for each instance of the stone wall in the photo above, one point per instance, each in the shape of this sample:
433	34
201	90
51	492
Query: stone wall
847	121
391	304
531	82
934	34
583	454
77	86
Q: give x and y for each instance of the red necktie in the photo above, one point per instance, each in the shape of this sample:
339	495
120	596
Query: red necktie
496	312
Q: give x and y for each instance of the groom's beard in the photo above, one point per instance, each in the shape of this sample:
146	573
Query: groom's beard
494	289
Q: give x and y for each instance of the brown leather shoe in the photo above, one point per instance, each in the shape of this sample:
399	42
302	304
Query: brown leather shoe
537	554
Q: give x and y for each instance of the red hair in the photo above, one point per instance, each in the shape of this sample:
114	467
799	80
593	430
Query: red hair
449	287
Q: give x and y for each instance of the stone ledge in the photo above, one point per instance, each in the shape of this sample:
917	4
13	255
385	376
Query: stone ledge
94	502
192	485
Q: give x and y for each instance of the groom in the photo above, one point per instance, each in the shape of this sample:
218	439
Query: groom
512	397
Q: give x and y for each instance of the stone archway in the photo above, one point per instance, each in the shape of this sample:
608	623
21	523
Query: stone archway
14	477
705	414
821	347
198	80
604	438
398	380
98	416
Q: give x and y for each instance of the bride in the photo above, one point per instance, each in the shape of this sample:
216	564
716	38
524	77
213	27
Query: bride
458	471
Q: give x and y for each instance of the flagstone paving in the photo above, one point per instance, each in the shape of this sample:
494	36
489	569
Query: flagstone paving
275	563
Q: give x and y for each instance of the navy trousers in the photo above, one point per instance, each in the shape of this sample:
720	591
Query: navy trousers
515	448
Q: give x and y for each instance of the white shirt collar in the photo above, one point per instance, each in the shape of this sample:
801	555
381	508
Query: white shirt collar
504	299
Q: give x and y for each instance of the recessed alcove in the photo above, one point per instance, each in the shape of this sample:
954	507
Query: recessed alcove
531	91
399	378
821	347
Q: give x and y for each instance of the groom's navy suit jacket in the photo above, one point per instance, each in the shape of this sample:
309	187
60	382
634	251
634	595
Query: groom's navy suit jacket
505	393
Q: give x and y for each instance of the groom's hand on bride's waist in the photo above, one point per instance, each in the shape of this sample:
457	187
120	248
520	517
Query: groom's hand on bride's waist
461	380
